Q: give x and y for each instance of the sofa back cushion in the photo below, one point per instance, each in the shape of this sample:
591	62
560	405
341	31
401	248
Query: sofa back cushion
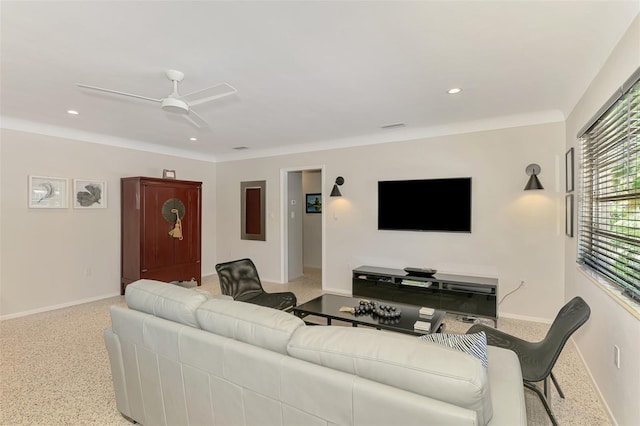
401	361
165	300
257	325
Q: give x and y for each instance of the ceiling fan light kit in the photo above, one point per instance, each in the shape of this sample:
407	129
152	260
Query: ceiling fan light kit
176	104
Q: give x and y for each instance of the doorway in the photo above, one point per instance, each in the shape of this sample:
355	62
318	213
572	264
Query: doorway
302	228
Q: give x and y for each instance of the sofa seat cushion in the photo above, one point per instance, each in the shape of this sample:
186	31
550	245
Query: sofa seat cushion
165	300
401	361
254	324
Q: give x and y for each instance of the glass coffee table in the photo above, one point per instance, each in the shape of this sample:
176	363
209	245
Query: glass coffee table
328	306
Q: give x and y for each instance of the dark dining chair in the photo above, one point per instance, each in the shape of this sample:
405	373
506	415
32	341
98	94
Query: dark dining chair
239	279
538	358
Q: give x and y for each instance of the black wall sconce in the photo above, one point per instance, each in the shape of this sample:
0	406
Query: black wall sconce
335	192
533	170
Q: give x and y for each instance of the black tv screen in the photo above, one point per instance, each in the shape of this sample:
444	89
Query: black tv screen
425	205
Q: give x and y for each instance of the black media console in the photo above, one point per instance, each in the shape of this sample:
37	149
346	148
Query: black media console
460	294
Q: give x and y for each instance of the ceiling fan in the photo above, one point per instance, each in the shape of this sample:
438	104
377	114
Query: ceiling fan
181	104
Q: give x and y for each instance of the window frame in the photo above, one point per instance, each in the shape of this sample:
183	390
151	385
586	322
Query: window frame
609	207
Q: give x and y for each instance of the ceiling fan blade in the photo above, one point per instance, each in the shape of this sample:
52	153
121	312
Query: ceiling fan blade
195	119
209	94
118	93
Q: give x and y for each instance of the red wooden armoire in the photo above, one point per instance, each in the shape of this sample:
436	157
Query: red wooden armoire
161	230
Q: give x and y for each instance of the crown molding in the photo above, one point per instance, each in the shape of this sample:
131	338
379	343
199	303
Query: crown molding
102	139
399	134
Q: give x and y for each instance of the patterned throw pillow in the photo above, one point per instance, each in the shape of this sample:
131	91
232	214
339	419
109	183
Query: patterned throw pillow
473	344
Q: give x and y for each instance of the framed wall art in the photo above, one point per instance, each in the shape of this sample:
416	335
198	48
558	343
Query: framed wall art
313	203
253	195
568	167
89	194
568	215
48	192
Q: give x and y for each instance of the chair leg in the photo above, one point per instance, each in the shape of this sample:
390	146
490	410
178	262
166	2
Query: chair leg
544	401
545	387
555	382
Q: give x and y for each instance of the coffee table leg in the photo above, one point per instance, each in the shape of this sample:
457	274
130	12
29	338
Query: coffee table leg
328	321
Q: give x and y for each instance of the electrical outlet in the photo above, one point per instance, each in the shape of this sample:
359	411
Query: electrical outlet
616	356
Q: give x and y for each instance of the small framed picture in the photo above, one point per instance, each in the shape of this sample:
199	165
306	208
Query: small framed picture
168	174
313	203
568	211
48	192
568	160
89	194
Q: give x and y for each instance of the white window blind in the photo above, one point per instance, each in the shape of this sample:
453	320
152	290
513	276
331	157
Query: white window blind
609	214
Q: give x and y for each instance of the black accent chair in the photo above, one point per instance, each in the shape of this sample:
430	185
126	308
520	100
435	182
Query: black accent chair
538	358
239	279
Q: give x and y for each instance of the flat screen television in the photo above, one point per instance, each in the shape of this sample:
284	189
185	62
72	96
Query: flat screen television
440	205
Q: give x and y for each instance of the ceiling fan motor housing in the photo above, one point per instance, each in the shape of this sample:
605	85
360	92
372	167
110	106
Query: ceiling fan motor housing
175	105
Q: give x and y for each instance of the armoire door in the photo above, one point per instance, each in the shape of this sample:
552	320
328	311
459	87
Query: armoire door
157	244
187	249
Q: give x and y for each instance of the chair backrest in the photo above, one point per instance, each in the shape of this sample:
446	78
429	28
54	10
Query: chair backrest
239	279
571	317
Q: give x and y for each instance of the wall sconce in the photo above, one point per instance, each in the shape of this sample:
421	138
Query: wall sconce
534	183
335	192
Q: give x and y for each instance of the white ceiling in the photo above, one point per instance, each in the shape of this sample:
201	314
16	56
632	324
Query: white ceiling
308	73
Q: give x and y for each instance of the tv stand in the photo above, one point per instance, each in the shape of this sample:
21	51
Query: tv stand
459	294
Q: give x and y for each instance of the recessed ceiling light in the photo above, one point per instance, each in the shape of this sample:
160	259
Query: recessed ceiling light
240	148
454	90
193	139
72	112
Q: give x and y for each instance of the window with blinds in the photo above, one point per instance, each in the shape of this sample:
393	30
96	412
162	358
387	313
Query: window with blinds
609	214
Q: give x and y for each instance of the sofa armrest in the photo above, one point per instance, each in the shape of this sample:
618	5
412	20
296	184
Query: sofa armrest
507	391
112	342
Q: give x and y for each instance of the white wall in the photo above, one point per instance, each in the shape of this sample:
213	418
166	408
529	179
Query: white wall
610	324
516	234
311	184
63	256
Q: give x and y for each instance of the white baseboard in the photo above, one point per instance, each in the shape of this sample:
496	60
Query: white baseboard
595	385
54	307
336	291
526	318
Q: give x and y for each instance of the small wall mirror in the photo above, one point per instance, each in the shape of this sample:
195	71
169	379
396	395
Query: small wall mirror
253	195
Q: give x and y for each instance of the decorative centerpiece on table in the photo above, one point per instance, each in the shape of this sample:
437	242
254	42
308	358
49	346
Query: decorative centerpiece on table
384	314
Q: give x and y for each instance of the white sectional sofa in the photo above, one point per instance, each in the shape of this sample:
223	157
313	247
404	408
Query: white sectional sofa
180	357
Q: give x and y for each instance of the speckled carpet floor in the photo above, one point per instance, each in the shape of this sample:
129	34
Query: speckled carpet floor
54	368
